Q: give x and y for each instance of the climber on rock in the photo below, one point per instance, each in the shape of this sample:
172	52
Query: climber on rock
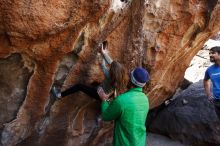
116	78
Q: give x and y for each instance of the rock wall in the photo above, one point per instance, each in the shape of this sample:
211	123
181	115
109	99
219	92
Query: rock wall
57	44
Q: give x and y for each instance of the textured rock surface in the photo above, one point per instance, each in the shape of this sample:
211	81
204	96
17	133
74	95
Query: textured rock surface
161	35
14	79
190	118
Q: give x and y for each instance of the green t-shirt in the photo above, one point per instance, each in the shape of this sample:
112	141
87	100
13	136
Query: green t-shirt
129	110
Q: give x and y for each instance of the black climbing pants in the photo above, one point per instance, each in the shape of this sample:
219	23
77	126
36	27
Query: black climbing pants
90	91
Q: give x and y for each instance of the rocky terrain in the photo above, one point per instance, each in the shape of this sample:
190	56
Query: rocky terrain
47	43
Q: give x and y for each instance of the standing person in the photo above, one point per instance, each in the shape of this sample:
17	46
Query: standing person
129	111
115	78
212	77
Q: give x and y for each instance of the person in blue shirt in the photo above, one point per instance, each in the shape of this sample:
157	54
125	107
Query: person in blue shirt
212	79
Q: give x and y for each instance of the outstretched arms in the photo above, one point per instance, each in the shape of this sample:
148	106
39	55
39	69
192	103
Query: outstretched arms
104	52
106	59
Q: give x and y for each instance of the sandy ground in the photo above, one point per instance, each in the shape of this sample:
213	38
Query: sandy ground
159	140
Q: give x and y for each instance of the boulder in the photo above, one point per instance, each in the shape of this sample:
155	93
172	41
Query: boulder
190	118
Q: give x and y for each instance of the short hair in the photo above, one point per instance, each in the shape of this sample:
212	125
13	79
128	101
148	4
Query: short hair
215	49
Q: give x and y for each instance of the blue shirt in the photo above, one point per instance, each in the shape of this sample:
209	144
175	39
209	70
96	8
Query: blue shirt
213	73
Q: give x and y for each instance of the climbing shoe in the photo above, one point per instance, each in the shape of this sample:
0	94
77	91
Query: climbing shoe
56	93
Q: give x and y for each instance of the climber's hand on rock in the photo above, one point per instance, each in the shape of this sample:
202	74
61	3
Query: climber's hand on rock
103	96
104	47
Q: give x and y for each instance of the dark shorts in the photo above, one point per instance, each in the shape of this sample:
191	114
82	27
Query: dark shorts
217	107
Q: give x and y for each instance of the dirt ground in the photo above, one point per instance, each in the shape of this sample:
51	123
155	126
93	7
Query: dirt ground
159	140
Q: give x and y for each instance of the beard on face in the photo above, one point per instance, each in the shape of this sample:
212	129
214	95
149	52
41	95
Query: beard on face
212	59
